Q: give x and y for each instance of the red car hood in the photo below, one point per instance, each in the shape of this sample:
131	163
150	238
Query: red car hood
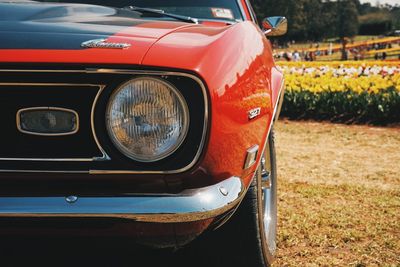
48	32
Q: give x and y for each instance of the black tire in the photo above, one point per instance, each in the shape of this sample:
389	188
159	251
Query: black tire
243	241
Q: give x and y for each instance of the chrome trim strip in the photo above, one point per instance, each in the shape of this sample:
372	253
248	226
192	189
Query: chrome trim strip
278	106
47	159
274	119
252	13
48	84
42	171
241	8
33	70
18	121
187	206
105	156
275	110
96	99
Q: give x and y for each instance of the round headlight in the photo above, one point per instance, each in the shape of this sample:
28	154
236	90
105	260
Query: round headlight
147	119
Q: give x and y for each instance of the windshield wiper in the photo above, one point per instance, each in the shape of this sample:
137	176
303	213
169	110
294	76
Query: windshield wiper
162	13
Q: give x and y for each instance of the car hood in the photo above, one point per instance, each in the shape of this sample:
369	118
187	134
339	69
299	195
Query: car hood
29	25
54	32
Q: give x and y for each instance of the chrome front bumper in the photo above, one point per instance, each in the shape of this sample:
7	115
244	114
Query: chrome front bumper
187	206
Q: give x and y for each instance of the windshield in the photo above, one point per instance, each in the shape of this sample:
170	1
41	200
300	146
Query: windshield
200	9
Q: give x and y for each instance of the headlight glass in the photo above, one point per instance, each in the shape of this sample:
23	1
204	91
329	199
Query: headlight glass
147	119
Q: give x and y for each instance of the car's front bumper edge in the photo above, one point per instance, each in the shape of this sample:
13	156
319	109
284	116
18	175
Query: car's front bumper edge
187	206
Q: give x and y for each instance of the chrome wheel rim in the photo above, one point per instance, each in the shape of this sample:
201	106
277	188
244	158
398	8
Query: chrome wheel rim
267	180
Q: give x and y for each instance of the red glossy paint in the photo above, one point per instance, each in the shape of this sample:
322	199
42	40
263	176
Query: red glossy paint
235	62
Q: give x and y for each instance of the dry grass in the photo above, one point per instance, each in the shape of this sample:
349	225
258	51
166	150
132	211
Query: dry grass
339	195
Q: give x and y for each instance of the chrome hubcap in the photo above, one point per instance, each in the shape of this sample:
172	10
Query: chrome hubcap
268	198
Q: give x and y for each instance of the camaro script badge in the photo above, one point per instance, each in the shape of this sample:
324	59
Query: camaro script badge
102	43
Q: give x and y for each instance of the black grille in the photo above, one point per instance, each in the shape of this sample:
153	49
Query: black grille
77	88
15	144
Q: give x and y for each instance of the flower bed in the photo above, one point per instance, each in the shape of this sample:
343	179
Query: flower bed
362	92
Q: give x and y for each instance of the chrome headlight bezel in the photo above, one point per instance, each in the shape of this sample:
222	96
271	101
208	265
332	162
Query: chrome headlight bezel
184	130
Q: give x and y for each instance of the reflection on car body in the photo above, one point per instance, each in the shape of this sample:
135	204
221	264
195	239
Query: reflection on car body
158	118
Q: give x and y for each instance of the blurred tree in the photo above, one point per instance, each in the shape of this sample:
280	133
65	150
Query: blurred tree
366	8
260	8
328	15
315	24
376	23
319	26
346	23
297	18
313	20
307	19
293	10
347	18
395	12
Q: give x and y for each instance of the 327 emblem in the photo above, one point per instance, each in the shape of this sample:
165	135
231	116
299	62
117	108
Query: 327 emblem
255	112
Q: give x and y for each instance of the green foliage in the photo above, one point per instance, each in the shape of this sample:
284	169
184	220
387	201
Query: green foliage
375	27
348	106
346	18
367	8
395	12
292	9
314	20
375	23
315	24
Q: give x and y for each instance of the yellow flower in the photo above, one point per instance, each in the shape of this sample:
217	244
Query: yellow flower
369	76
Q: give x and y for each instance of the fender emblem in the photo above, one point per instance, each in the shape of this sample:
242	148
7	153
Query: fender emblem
255	112
102	43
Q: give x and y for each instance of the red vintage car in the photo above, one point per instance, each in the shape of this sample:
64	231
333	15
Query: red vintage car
153	115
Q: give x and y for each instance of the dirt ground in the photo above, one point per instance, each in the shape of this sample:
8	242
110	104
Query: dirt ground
339	195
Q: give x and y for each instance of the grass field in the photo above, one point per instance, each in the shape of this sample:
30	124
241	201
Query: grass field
339	195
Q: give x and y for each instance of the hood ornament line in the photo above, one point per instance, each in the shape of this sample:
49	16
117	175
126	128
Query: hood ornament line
102	43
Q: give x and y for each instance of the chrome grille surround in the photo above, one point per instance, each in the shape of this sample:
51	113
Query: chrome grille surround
101	87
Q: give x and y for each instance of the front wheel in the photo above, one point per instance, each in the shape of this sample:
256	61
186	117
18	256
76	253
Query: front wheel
249	237
257	214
